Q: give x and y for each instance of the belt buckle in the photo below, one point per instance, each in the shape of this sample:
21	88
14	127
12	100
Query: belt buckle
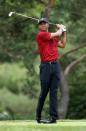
50	62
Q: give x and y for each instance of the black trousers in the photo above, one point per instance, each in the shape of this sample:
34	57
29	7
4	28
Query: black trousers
49	78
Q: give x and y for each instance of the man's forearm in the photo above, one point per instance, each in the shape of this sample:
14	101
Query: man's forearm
62	42
61	31
58	33
64	38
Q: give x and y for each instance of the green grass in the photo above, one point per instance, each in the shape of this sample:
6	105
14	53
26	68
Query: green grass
62	125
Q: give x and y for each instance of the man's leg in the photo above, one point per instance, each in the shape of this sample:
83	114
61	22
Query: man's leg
53	99
43	94
55	79
44	78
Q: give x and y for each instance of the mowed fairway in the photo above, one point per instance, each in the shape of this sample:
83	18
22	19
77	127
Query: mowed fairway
62	125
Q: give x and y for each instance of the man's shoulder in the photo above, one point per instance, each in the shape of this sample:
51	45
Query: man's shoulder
40	33
43	33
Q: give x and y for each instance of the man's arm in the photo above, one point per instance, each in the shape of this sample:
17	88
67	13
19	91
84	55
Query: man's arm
62	42
59	32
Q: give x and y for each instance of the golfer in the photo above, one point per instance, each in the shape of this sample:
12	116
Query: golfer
48	44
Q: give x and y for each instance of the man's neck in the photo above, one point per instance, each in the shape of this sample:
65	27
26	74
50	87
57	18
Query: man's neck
44	30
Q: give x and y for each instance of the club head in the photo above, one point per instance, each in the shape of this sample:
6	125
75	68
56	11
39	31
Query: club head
11	13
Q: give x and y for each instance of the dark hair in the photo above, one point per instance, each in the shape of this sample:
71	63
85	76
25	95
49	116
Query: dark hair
42	20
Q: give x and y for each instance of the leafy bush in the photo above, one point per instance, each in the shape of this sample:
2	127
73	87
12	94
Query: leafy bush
18	106
13	76
17	95
77	104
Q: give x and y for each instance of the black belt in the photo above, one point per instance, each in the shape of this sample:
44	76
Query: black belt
49	62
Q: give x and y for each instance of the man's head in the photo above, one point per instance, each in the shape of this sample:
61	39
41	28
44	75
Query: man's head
43	24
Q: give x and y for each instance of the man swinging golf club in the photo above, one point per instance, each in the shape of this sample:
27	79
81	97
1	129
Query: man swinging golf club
48	44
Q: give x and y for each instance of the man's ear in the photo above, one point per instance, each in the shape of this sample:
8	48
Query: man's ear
47	25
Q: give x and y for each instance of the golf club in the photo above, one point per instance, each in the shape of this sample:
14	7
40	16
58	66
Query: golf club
32	18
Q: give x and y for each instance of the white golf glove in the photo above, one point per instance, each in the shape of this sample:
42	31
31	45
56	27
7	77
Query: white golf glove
62	27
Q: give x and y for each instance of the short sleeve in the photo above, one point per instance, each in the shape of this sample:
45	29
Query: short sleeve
45	35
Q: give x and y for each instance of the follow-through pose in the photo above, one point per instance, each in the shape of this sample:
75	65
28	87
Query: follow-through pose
48	44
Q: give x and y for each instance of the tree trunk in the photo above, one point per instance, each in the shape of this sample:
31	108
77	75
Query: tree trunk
48	8
73	64
73	50
64	99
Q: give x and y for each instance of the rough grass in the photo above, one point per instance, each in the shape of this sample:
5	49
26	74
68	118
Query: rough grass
62	125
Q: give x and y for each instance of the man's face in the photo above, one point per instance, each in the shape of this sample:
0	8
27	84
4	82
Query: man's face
43	26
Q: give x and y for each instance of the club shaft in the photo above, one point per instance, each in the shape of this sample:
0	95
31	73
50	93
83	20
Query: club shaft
35	19
26	16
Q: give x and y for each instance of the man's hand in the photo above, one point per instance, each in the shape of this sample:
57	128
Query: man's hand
59	32
62	27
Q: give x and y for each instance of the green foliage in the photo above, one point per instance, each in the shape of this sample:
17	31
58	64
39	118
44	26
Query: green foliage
77	104
13	76
18	106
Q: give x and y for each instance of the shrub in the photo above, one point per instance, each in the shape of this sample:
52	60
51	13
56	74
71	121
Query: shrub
13	76
17	105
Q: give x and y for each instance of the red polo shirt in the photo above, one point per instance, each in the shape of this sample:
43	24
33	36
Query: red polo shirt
48	48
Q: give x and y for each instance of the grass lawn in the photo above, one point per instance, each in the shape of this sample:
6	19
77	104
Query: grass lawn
61	125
